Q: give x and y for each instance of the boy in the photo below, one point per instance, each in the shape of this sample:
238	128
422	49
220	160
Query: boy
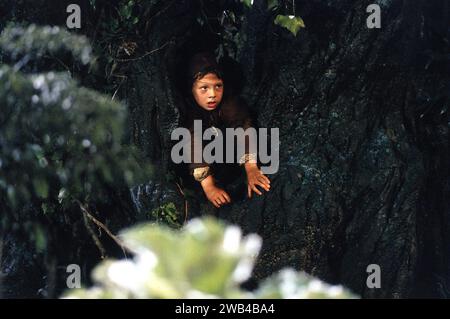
207	101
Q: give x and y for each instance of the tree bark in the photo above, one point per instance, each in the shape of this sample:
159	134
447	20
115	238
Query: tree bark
363	119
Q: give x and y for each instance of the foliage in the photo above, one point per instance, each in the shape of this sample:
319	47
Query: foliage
248	3
292	23
206	259
33	42
167	214
231	34
232	19
123	26
126	16
59	143
66	138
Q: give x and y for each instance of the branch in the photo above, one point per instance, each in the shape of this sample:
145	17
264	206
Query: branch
94	236
118	87
185	203
102	226
142	56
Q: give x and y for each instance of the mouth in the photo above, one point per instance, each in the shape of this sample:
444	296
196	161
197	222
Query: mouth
212	104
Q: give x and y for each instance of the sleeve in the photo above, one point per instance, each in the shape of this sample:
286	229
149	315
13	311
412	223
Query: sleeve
236	114
199	170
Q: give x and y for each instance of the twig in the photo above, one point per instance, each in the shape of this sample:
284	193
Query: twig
118	87
59	61
185	203
185	211
94	236
142	56
102	226
158	13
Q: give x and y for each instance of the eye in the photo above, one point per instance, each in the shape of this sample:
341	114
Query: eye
219	86
203	88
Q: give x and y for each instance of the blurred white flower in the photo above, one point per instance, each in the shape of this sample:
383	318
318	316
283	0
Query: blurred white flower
232	240
206	259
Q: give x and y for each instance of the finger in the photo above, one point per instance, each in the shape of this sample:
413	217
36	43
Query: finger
256	190
227	197
262	181
263	185
266	178
249	191
215	204
219	200
222	199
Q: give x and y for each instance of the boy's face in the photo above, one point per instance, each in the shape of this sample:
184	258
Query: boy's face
208	91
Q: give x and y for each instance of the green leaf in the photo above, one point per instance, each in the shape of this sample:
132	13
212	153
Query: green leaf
40	238
232	16
292	23
12	197
205	259
166	214
272	4
248	3
41	187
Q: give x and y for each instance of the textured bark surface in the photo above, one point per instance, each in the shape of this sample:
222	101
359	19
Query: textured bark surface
364	142
364	138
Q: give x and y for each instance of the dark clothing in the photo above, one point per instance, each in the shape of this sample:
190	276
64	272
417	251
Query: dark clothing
230	113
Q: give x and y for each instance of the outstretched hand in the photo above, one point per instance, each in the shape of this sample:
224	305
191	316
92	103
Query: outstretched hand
216	195
256	178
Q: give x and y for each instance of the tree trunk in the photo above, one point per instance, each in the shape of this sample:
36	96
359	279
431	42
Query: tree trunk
363	119
363	137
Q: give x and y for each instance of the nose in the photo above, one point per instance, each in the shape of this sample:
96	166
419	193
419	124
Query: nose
212	93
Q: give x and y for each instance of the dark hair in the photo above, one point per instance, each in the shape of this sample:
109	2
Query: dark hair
201	64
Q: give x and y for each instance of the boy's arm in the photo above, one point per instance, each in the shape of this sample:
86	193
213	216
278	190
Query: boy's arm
239	115
202	174
215	195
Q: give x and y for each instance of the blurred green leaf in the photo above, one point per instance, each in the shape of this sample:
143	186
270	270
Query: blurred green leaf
248	3
272	4
40	239
65	137
292	23
41	187
205	259
35	42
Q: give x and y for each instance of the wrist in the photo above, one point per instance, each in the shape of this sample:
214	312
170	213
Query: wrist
250	166
208	182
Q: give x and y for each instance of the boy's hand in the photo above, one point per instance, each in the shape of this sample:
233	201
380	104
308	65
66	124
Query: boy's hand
256	178
215	195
